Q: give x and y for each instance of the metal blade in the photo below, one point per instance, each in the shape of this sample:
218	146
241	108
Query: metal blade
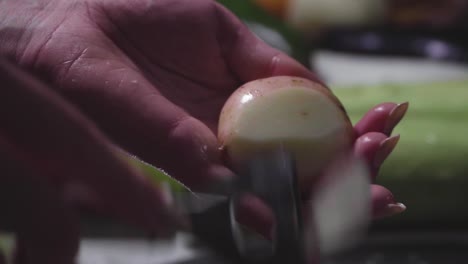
272	178
340	209
196	202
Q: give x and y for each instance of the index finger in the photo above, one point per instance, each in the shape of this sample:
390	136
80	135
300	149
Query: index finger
249	57
60	142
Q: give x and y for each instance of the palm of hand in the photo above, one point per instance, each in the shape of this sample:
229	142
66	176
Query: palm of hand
135	69
148	49
193	75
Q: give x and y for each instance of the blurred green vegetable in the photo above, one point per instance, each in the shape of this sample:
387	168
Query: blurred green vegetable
427	171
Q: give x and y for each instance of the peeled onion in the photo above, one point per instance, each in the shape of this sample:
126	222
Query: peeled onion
296	114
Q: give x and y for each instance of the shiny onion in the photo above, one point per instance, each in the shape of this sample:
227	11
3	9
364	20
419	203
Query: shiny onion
296	114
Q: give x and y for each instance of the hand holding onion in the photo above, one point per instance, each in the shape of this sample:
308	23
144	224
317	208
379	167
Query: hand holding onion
306	119
299	115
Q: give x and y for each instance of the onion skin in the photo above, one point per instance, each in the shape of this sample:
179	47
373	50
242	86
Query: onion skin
294	113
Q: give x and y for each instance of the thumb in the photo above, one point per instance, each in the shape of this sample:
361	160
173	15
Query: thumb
249	57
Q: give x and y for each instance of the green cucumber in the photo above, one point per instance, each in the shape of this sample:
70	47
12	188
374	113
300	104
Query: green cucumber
428	169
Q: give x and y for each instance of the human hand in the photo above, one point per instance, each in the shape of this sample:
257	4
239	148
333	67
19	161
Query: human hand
53	159
151	78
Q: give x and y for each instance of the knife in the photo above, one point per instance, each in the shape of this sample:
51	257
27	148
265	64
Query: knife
338	211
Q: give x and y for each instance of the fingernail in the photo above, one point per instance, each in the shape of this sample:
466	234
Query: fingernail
395	117
385	148
393	209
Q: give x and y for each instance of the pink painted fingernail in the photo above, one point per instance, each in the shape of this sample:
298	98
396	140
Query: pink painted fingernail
393	209
386	147
395	117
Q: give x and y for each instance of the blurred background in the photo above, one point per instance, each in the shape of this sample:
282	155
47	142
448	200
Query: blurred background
368	51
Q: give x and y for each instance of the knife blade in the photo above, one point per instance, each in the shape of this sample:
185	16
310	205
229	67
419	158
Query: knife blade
272	177
339	208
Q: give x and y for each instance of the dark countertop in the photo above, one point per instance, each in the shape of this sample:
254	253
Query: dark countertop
378	248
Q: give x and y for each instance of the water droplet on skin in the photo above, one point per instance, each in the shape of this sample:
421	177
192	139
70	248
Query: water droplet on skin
135	81
246	97
73	80
379	109
204	152
106	82
203	149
